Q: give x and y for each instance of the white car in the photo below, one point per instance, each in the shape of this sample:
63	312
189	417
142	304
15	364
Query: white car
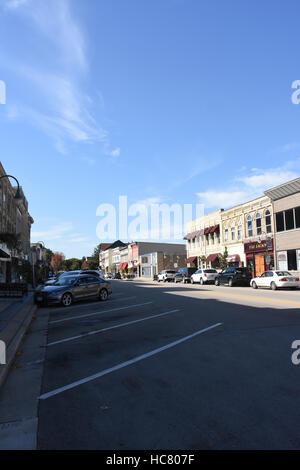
275	280
204	276
166	275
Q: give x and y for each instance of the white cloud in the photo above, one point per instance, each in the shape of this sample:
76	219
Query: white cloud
53	233
14	4
115	153
249	187
61	107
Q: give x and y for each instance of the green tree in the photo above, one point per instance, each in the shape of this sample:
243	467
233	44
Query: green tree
222	259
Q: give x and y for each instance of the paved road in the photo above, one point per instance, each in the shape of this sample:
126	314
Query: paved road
164	366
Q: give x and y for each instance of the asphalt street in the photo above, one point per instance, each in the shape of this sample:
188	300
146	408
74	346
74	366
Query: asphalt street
165	366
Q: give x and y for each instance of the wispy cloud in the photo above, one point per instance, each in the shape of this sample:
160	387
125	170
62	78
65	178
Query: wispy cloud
53	233
250	186
59	104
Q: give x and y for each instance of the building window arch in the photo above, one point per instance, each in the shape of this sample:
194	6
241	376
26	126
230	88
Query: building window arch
268	221
233	232
249	226
258	223
226	234
239	230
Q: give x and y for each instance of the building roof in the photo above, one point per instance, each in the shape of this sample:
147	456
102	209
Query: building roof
284	190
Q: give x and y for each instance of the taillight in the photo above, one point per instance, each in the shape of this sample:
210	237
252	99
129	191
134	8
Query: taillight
297	278
283	279
204	275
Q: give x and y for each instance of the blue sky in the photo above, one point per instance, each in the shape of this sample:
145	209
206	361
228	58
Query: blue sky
177	101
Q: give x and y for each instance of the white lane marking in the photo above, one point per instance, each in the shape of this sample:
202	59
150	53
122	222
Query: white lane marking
112	299
57	391
111	328
98	313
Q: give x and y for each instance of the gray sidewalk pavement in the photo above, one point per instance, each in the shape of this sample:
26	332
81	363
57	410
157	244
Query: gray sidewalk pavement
15	318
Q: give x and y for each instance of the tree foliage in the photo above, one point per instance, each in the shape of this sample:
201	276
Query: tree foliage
57	261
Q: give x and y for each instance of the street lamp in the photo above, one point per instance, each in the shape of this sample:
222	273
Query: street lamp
18	195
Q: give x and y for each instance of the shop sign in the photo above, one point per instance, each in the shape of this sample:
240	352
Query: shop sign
264	245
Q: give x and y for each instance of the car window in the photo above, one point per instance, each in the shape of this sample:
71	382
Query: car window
263	275
209	271
283	273
92	279
199	271
65	281
270	274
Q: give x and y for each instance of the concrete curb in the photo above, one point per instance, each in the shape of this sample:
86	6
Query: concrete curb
14	332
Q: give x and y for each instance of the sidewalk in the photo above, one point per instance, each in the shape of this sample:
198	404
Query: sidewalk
15	318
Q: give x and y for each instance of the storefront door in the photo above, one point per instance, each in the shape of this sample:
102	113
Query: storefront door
259	264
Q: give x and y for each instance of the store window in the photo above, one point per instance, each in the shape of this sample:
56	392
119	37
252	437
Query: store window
250	228
297	217
292	260
226	235
258	224
289	220
268	222
279	222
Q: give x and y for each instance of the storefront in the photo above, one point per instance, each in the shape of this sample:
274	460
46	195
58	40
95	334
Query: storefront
288	260
259	256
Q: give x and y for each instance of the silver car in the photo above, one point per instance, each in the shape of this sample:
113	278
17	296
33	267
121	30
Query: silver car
69	289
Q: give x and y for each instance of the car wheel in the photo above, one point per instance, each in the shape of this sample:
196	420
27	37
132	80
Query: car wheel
273	286
103	294
67	299
254	285
201	281
217	282
230	282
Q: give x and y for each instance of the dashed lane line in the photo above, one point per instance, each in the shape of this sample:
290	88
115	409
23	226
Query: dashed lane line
72	385
95	332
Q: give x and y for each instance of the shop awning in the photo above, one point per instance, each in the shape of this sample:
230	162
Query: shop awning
120	266
215	228
212	257
192	259
233	259
125	265
3	254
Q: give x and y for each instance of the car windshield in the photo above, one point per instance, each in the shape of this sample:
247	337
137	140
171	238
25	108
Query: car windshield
65	281
209	271
283	273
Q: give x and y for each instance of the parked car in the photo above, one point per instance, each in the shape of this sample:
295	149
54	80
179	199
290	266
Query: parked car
204	276
184	274
234	277
108	275
68	289
117	276
276	280
166	275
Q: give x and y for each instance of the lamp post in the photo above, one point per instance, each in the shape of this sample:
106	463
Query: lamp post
33	268
17	196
